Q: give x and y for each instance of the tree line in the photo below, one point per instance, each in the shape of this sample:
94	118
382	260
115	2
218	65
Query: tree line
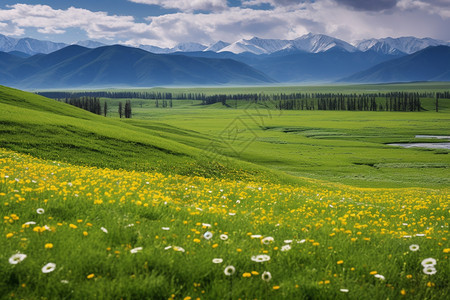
93	105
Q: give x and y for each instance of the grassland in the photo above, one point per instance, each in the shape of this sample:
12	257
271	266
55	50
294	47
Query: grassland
140	208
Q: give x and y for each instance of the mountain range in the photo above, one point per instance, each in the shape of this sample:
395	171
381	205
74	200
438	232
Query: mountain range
311	43
430	64
310	58
76	66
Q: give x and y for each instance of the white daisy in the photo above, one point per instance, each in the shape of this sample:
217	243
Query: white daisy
379	276
217	260
428	262
229	270
208	235
430	270
50	267
224	237
136	250
261	258
266	276
344	290
40	211
286	248
17	258
165	228
414	247
104	229
267	240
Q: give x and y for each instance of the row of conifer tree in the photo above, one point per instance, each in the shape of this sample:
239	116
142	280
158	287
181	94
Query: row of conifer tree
93	105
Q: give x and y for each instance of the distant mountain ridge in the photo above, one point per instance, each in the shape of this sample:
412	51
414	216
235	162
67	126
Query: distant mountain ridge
76	66
430	64
310	43
407	45
33	46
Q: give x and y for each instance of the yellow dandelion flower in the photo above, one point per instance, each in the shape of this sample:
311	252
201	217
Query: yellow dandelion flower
9	235
403	292
90	276
246	274
48	246
85	233
276	287
373	272
215	245
73	226
255	273
447	250
340	262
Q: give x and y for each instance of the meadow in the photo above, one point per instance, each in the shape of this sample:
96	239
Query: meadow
212	202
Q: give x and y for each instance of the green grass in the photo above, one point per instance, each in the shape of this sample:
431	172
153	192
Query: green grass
48	129
338	237
351	205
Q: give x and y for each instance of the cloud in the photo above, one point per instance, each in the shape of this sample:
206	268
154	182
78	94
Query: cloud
187	5
432	7
369	5
55	21
9	29
284	20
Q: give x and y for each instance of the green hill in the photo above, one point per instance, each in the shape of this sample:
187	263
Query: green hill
53	130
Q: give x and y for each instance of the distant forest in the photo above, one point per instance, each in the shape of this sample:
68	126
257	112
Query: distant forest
392	101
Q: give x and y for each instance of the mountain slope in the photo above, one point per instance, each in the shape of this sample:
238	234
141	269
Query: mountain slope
298	66
76	66
430	64
406	45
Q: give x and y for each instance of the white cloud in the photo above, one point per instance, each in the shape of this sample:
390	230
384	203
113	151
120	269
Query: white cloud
9	29
96	24
286	20
432	7
187	5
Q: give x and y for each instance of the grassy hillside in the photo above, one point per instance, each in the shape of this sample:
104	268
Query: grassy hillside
48	129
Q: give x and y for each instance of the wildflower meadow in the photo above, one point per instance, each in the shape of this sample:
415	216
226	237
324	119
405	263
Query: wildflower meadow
75	232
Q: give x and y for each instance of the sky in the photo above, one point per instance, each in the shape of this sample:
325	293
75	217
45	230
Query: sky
166	23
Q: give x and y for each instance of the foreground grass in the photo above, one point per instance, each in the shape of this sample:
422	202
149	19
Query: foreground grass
327	242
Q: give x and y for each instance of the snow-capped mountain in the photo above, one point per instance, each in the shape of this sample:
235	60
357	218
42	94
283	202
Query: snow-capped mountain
312	43
32	46
315	43
28	45
400	45
216	47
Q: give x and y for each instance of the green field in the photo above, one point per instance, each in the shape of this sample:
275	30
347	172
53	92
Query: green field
343	208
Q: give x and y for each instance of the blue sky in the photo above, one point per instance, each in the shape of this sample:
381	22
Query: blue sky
168	22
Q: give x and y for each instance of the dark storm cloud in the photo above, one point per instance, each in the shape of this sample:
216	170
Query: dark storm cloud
369	5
